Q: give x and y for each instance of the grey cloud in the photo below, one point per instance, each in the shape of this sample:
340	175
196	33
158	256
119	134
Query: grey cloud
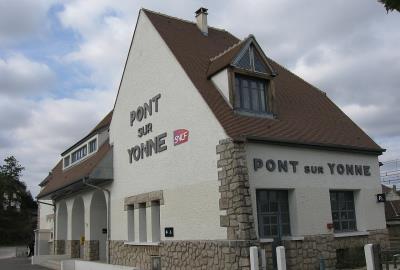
20	19
20	76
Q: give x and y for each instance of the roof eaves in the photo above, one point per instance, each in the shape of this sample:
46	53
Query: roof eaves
313	145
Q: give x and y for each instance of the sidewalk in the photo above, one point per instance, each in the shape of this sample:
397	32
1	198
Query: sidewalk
20	264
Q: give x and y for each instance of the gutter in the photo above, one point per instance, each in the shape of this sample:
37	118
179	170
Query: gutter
108	214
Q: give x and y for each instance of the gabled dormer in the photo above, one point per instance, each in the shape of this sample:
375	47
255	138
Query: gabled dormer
245	78
88	145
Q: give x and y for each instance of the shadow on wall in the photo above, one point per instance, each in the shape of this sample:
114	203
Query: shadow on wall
352	257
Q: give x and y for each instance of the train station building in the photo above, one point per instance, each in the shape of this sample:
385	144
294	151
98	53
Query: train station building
213	147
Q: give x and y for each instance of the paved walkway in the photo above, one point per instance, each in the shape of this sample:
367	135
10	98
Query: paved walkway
19	264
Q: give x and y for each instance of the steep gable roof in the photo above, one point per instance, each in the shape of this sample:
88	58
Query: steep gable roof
305	115
59	178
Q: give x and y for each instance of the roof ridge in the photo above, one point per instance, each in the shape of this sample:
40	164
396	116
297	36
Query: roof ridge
182	20
228	49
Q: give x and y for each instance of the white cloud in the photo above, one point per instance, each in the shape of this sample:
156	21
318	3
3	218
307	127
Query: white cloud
50	126
20	19
20	76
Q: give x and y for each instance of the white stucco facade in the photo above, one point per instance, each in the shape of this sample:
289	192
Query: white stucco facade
187	172
309	198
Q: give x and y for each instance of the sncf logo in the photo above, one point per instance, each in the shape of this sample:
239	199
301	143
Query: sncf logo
181	136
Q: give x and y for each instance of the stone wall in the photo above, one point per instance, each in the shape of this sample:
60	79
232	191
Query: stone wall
184	255
59	247
73	248
234	190
91	250
208	255
305	254
139	256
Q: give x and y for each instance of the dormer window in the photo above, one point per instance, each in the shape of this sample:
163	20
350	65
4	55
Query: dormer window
79	154
66	161
92	145
245	78
250	94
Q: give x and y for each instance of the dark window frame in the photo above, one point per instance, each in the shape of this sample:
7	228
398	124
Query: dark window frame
92	145
239	91
277	215
343	211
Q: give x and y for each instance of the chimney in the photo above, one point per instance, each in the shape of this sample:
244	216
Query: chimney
201	16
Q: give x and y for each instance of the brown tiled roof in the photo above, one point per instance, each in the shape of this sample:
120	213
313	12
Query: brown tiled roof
305	115
224	59
60	178
104	123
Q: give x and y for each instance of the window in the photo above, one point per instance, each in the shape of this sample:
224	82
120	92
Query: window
273	213
250	94
79	154
66	161
343	212
92	145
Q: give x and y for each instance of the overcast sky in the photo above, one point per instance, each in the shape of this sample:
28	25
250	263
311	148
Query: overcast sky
61	62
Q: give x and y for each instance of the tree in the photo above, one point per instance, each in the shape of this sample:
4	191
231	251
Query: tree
391	5
17	207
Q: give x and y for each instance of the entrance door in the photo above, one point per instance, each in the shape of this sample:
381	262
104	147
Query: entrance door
273	216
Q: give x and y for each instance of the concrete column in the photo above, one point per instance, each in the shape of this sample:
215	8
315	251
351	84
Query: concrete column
369	256
281	258
254	258
70	204
87	200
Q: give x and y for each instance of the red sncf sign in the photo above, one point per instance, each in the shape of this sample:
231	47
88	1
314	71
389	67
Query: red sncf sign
181	136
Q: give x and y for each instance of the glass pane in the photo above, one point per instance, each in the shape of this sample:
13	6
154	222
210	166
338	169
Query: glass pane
274	230
254	97
345	226
259	63
262	97
245	95
237	92
244	62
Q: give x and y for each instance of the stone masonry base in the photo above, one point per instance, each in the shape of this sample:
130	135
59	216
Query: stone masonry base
91	250
72	248
187	255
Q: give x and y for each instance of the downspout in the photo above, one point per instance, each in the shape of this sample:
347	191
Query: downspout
54	224
108	213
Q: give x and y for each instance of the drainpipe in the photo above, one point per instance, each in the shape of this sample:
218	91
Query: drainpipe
54	224
108	213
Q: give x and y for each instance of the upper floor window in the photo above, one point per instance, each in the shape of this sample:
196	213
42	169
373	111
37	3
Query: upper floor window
84	150
92	145
250	94
79	154
66	161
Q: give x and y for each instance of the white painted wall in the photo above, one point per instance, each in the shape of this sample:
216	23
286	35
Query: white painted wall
221	81
45	222
187	173
309	199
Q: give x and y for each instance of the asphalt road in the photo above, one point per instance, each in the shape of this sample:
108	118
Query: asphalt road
19	264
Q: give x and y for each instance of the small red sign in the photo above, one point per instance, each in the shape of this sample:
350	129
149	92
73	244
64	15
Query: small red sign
181	136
